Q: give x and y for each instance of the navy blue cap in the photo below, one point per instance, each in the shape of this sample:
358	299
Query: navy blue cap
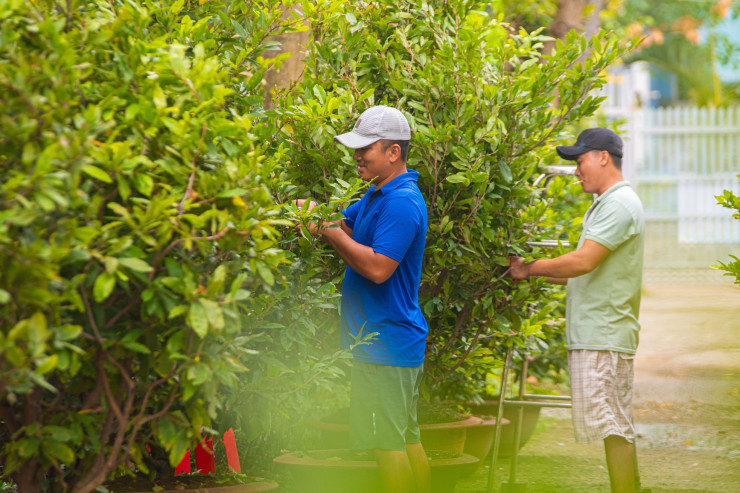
592	139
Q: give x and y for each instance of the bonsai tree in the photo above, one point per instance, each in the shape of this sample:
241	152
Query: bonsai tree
484	108
138	234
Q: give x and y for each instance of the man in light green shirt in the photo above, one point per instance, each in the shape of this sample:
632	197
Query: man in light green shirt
604	278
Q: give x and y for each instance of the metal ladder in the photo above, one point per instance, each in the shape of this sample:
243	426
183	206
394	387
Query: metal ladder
523	399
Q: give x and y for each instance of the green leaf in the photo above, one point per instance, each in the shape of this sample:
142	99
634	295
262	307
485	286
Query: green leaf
4	297
144	183
458	178
68	332
234	192
240	30
266	274
86	234
177	6
97	173
38	332
198	319
505	172
135	264
45	365
199	374
136	347
166	431
30	151
213	312
58	450
104	285
28	447
61	433
177	311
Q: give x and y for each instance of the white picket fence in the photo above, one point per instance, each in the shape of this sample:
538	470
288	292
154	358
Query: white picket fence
683	158
678	159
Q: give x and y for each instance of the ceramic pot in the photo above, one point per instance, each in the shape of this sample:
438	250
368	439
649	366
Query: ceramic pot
479	438
322	471
448	436
256	487
530	416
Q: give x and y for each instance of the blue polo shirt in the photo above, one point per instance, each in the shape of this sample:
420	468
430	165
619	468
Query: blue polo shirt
393	221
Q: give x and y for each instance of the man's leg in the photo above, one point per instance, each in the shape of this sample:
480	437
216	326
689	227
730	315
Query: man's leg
396	475
620	459
383	413
419	466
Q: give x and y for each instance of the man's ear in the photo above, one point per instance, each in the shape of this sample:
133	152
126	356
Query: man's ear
394	153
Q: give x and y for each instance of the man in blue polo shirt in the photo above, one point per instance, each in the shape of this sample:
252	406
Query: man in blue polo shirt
381	239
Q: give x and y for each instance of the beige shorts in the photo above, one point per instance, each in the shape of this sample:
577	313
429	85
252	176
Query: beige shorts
601	390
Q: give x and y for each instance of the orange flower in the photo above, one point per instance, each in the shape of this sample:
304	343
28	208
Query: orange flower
634	29
722	8
656	35
687	25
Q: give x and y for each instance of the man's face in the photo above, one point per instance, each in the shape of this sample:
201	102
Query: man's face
373	163
588	170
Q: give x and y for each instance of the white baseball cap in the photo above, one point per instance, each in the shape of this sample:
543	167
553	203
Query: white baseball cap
374	124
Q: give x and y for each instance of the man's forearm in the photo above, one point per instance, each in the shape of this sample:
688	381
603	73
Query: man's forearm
563	267
573	264
361	258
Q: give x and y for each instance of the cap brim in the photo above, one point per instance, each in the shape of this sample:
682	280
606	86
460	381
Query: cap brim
570	153
355	141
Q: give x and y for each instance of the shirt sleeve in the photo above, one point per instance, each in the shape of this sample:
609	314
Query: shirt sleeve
397	226
612	226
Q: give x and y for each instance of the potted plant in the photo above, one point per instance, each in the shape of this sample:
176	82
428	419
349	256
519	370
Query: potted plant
201	483
339	471
442	427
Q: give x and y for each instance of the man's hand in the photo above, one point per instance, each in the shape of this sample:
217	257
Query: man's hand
312	227
375	267
299	203
518	270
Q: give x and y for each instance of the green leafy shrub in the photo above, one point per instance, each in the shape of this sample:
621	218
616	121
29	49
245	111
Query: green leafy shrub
141	271
730	201
484	108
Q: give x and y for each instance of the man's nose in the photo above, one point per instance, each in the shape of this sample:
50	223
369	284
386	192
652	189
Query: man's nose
356	155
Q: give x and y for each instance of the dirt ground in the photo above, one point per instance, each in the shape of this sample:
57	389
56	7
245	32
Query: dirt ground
687	406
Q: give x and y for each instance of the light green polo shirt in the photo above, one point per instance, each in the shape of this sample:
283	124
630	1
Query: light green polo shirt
602	306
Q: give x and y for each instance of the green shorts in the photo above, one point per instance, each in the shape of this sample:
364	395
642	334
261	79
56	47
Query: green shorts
383	403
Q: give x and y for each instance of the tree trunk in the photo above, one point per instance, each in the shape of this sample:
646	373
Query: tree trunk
29	477
292	69
570	15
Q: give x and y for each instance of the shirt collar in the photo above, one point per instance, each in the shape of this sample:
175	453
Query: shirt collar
409	175
611	190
